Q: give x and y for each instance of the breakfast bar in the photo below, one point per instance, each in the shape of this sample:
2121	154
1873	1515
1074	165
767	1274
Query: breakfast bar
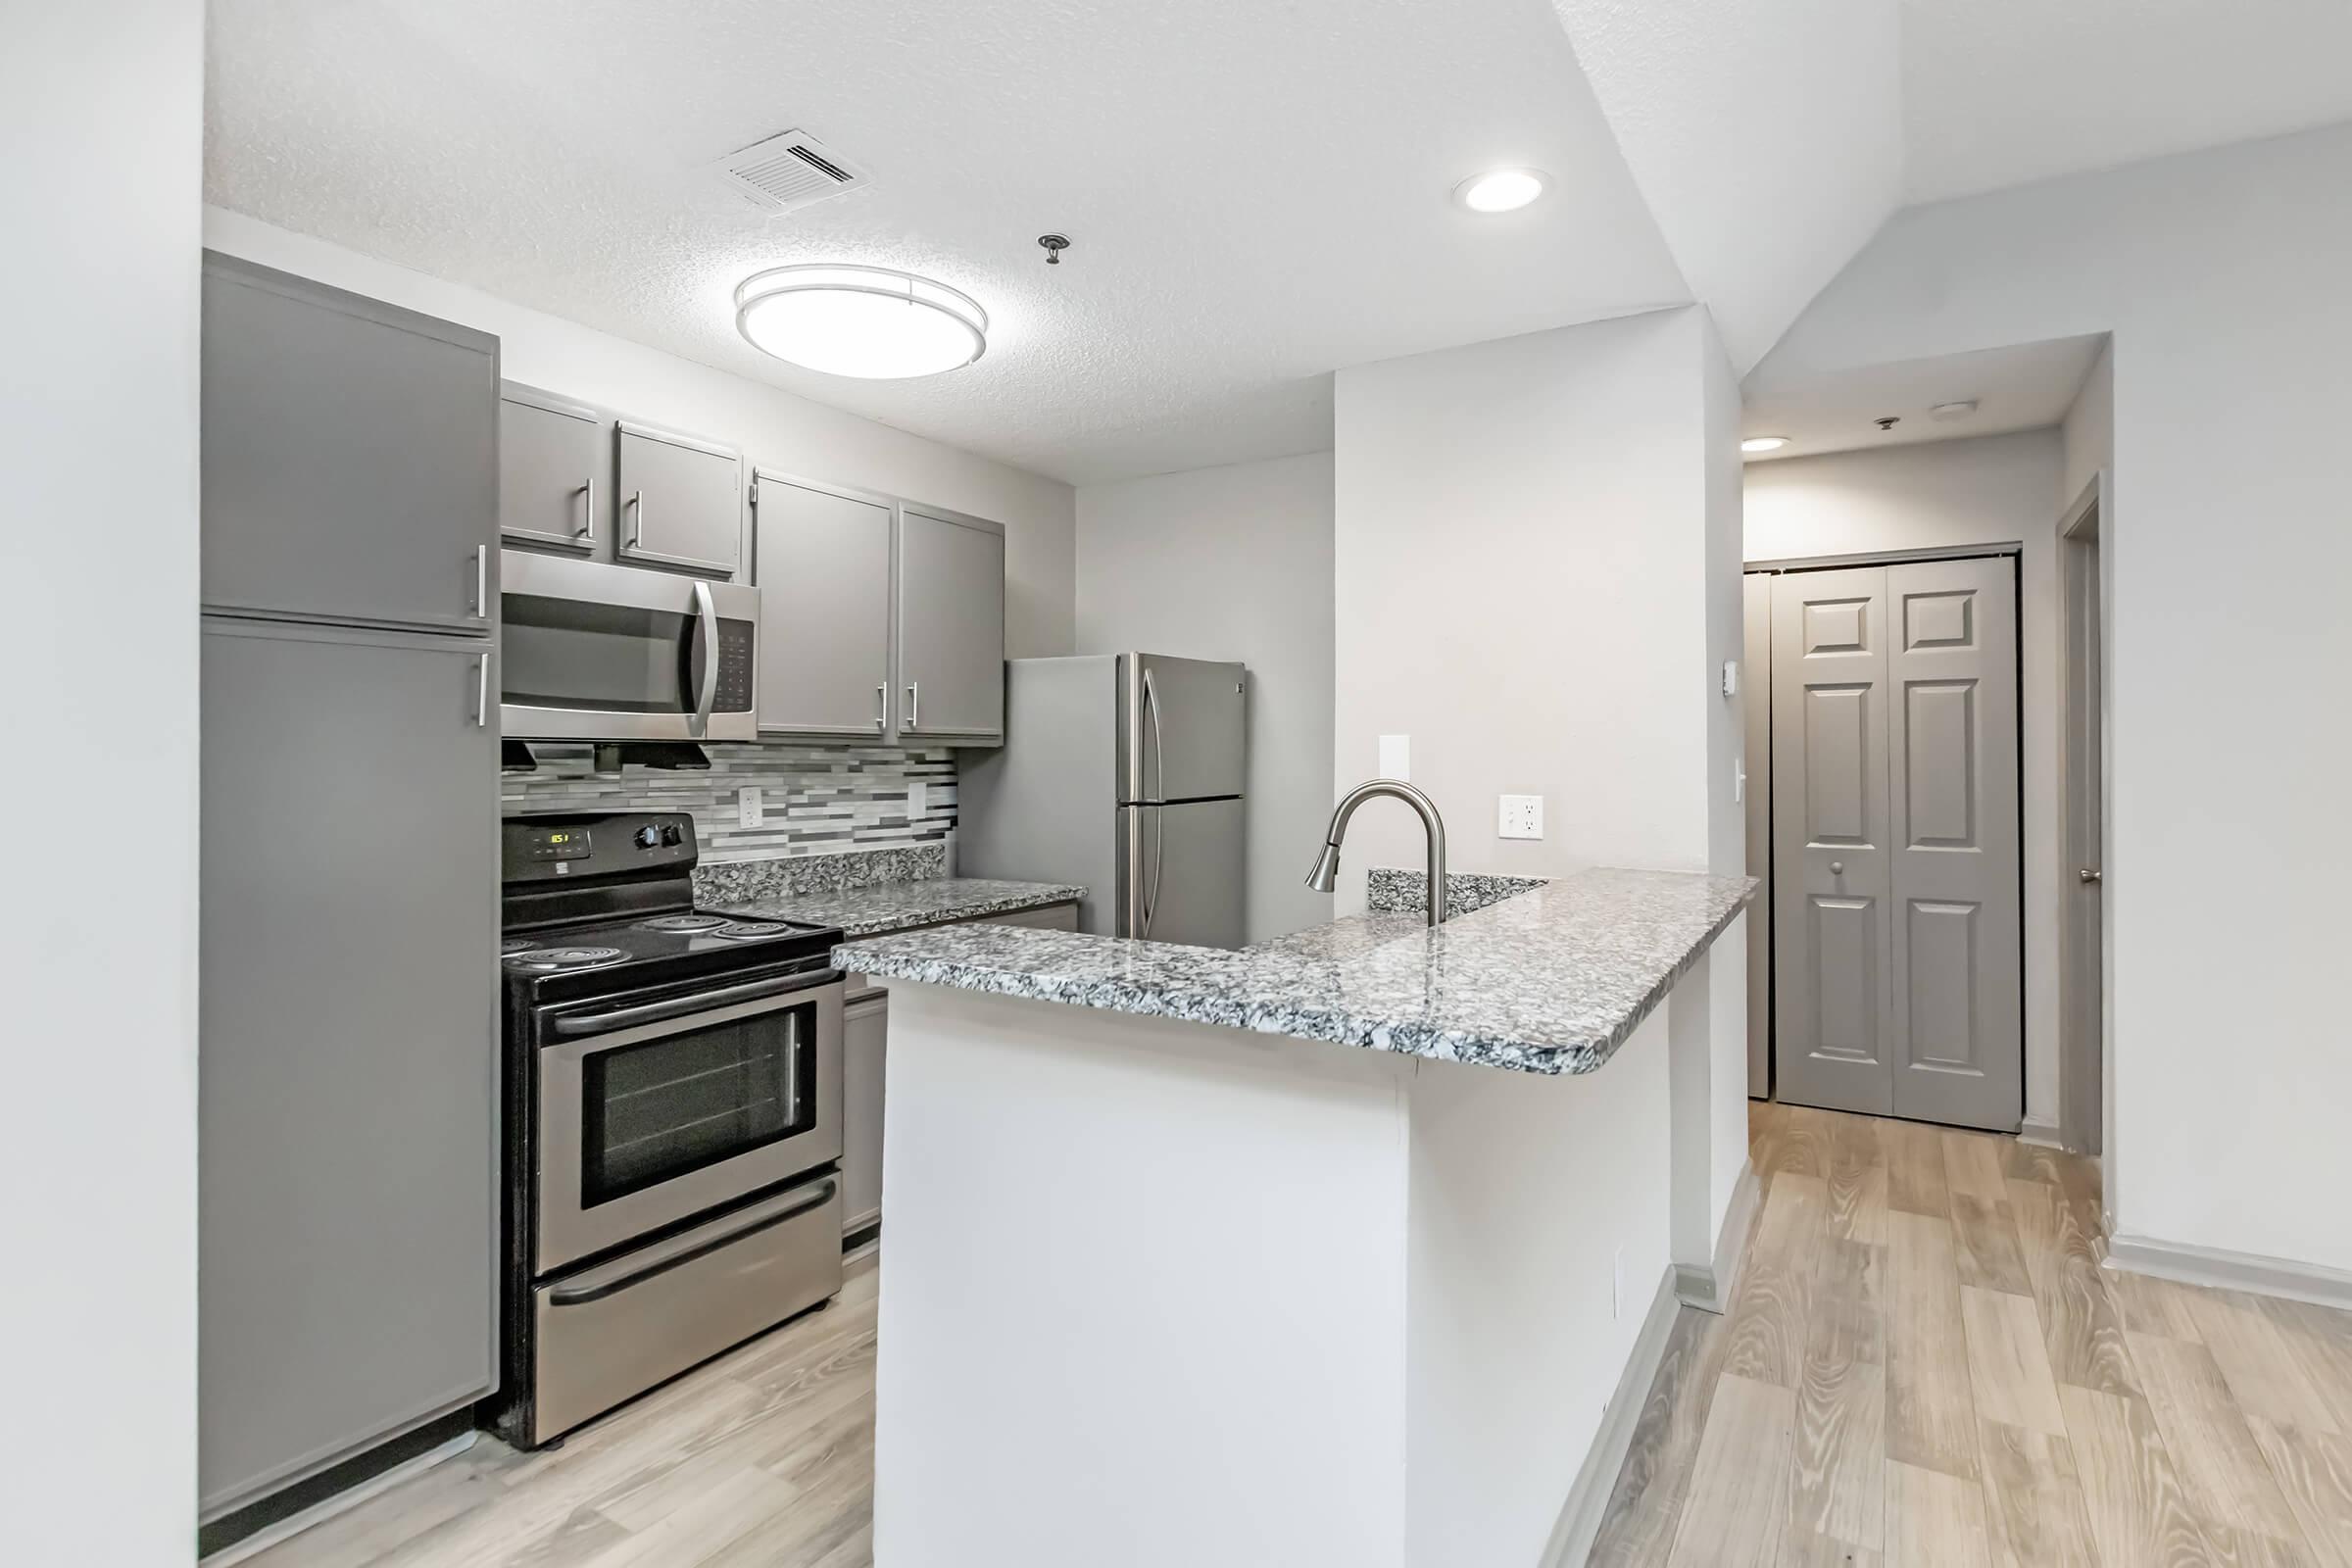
1335	1248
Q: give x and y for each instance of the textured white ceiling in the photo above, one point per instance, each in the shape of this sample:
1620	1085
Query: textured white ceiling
1999	92
1766	136
1258	192
2019	388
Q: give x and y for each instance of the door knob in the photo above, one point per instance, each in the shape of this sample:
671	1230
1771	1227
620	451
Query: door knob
1836	869
2087	874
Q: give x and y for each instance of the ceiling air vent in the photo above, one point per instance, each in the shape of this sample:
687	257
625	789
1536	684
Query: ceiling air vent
786	173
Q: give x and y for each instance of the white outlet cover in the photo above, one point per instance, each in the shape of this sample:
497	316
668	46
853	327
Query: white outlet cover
1397	758
1731	677
747	808
918	798
1519	816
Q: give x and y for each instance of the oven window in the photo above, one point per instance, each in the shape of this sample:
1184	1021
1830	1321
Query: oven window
657	1110
594	658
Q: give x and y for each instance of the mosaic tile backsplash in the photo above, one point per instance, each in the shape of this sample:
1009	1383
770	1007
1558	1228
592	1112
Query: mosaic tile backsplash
814	799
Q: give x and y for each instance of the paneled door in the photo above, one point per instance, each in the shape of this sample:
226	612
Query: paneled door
1896	931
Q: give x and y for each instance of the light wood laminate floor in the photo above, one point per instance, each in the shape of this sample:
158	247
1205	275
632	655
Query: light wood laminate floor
764	1458
1924	1363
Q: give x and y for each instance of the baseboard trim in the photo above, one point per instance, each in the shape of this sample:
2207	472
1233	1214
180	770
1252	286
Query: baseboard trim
1588	1502
1709	1287
2042	1134
2224	1270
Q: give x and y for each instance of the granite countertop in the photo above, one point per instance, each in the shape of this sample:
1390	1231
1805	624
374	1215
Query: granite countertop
878	908
1548	980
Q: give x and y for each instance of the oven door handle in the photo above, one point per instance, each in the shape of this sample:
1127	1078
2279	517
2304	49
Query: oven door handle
596	1023
818	1195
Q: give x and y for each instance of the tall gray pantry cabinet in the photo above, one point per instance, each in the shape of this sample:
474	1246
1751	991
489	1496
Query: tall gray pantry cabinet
348	1079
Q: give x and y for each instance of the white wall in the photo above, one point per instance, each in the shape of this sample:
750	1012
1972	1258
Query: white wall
1537	566
1234	562
98	397
2221	275
2089	433
775	428
1519	552
1991	490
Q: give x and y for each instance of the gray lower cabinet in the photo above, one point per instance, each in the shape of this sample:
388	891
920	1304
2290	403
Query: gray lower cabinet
680	500
820	558
348	1085
350	456
865	1043
555	461
951	627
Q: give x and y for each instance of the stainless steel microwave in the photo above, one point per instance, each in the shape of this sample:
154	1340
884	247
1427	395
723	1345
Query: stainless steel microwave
591	652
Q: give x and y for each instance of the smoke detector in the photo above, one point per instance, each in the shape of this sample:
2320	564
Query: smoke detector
787	172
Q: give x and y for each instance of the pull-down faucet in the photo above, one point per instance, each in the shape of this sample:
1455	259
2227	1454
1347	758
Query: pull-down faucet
1327	864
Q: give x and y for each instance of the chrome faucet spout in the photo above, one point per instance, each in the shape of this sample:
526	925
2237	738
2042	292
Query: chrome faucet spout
1325	876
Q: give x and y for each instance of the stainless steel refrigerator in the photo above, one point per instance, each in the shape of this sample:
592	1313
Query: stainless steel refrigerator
1121	772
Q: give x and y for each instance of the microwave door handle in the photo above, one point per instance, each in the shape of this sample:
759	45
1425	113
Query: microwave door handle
706	614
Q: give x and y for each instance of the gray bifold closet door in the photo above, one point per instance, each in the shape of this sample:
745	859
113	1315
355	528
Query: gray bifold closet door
1895	910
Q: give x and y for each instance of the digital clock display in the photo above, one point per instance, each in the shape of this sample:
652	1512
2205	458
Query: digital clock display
561	844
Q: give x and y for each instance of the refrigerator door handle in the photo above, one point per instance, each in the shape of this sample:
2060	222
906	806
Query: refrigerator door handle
1159	844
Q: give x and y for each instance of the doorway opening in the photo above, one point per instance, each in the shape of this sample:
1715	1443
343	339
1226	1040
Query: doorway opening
1886	973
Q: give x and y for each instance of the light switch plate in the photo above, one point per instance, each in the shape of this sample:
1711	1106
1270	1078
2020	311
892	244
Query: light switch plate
1397	758
747	808
1731	677
1519	816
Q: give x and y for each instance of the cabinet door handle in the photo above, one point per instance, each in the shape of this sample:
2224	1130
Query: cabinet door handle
914	706
481	691
882	707
587	529
636	538
481	582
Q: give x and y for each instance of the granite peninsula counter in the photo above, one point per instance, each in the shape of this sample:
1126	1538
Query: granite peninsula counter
1550	980
1356	1245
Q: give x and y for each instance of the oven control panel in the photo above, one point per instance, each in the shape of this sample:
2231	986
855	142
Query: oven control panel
572	845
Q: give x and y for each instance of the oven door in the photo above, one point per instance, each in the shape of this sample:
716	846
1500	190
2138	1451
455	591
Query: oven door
590	652
650	1113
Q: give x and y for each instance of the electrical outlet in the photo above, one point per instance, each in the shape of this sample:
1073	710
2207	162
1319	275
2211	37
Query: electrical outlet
1397	758
1738	779
918	798
747	808
1519	816
1731	677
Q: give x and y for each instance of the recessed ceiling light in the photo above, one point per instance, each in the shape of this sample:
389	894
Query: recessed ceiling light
1764	443
865	321
1501	190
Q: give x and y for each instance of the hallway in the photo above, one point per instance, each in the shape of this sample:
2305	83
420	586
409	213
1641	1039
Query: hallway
1924	1363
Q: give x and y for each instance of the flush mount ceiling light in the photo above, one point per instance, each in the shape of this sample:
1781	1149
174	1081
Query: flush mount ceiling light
1764	443
1953	411
1501	190
865	321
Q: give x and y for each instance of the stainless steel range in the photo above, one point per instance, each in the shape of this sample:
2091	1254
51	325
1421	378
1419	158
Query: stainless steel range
673	1108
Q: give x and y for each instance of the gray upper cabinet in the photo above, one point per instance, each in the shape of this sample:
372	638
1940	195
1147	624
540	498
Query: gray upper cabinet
555	459
821	558
680	501
951	627
347	1186
350	457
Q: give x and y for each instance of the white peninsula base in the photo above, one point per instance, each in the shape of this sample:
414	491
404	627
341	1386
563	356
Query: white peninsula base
1165	1294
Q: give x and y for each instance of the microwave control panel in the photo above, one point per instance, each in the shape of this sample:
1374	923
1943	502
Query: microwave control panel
734	667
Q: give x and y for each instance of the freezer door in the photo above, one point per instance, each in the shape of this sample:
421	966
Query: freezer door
1179	728
1180	873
